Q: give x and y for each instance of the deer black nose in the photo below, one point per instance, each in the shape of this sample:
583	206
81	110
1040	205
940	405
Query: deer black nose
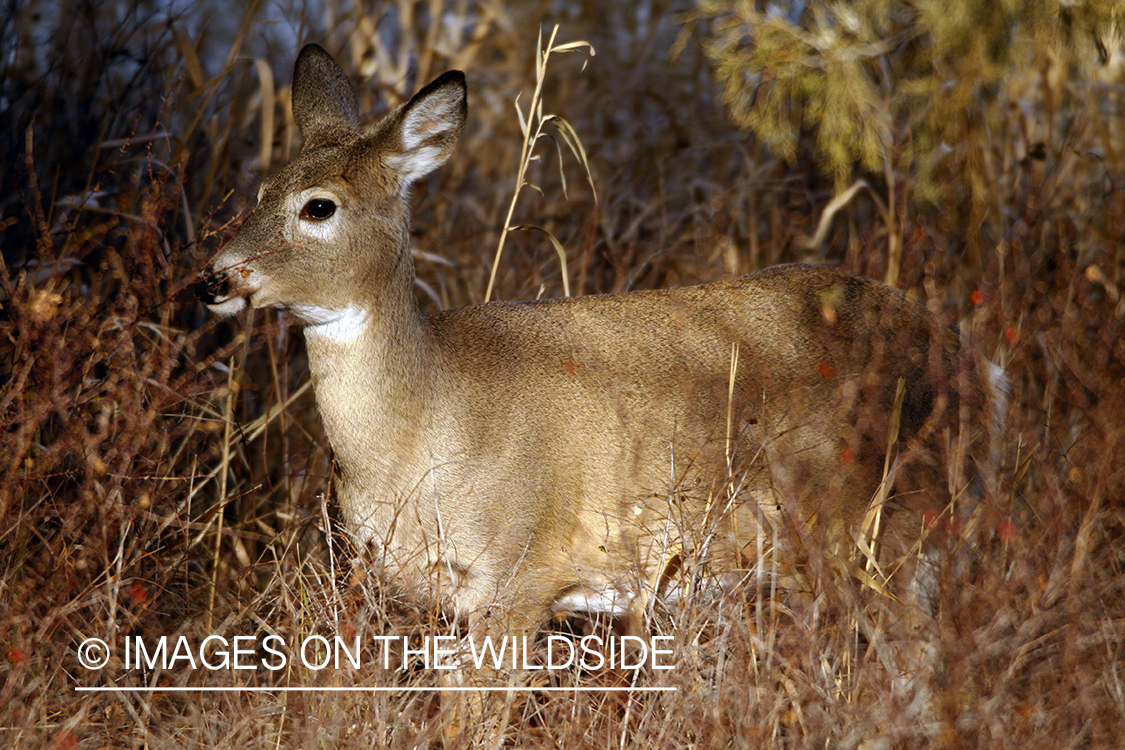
212	288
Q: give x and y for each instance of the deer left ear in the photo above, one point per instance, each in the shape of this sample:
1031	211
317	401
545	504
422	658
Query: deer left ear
429	126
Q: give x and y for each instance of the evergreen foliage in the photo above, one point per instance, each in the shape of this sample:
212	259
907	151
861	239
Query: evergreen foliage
893	84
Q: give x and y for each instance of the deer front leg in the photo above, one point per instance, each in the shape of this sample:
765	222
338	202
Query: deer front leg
478	691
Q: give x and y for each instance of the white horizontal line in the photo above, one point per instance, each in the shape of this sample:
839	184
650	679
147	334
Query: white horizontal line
415	689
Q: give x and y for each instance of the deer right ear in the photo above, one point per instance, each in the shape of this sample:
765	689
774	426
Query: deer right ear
324	104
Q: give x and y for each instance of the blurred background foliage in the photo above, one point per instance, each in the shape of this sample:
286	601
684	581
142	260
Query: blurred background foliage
889	85
923	96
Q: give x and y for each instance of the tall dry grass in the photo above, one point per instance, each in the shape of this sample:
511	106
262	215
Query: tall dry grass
165	474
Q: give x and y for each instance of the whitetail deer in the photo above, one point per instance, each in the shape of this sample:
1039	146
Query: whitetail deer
513	458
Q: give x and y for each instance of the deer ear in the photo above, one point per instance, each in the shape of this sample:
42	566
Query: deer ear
324	103
429	126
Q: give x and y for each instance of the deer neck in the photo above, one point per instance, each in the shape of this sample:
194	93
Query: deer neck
372	371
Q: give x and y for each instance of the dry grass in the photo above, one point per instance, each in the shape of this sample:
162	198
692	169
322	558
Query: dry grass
165	474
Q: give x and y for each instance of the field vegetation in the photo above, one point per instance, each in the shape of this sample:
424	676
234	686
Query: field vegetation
164	473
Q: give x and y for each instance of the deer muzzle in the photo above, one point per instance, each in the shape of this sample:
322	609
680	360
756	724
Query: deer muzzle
213	287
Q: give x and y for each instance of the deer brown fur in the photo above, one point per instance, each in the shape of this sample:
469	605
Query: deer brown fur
516	458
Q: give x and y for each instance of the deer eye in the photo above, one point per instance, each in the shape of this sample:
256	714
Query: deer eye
318	209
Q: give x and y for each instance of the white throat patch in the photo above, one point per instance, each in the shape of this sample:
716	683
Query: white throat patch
341	326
